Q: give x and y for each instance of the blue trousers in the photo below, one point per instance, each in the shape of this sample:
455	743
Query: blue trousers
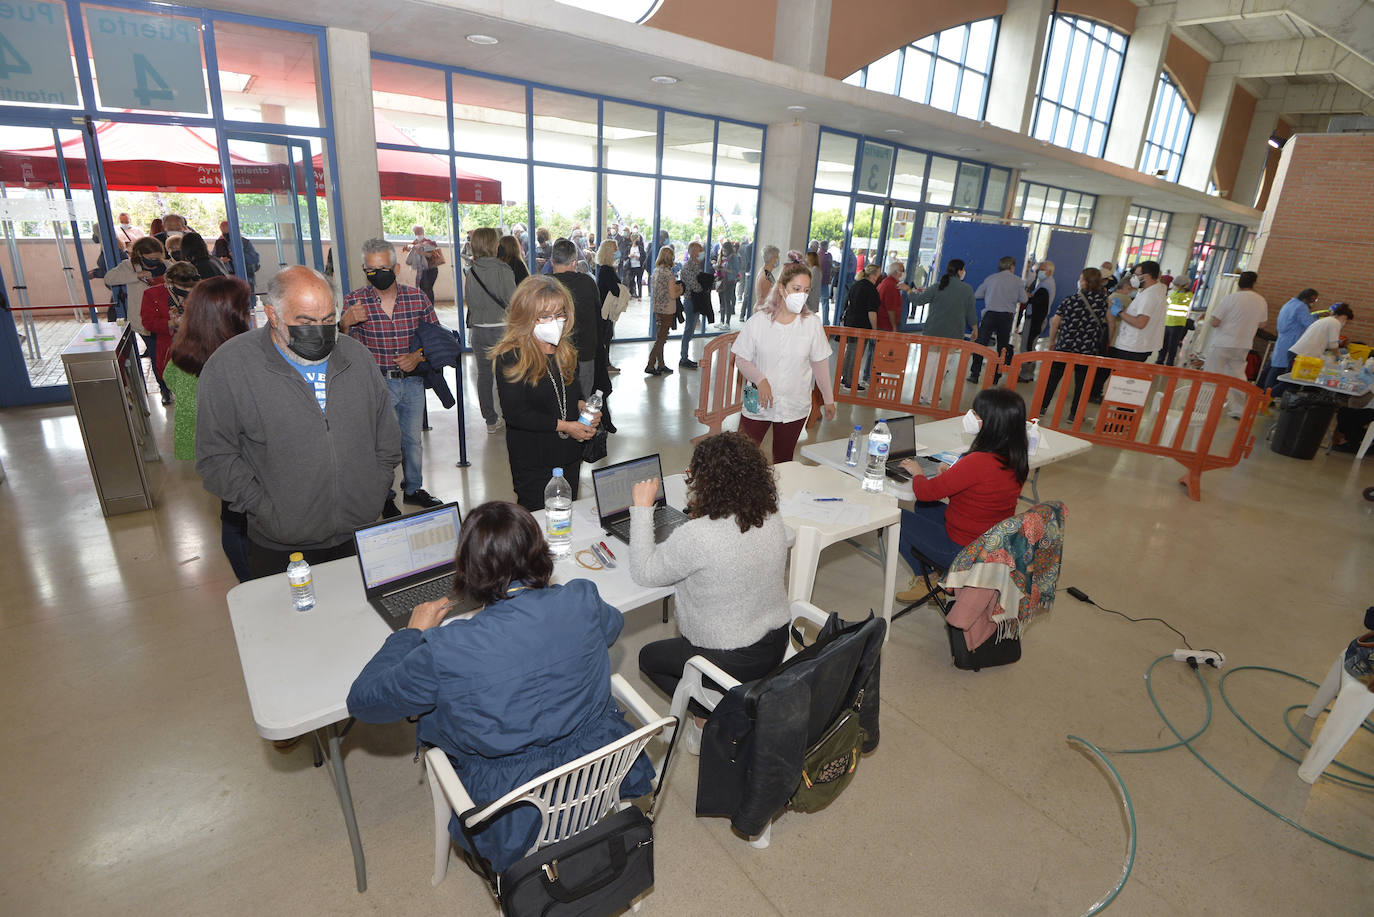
924	529
408	398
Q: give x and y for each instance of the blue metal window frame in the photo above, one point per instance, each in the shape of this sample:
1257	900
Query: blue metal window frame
83	116
1166	140
1060	105
961	62
1144	216
1023	190
598	169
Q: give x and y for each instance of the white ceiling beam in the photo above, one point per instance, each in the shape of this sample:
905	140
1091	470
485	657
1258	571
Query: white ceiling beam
1201	12
1200	40
1332	98
1301	57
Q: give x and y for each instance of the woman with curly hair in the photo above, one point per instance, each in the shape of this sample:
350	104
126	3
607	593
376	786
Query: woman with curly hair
726	564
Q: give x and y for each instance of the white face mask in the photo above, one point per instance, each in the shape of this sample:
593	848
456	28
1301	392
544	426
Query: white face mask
795	302
550	332
1135	281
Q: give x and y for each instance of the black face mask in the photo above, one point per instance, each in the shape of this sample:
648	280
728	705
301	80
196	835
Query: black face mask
382	278
311	342
156	268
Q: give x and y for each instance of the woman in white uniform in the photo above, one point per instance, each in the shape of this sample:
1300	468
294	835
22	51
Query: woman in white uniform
783	351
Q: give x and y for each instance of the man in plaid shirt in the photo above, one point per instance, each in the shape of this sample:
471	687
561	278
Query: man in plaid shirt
383	316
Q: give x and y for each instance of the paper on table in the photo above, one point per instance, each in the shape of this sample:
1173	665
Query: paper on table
803	505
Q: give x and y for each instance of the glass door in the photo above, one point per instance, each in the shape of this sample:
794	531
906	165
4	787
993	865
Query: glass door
277	194
52	258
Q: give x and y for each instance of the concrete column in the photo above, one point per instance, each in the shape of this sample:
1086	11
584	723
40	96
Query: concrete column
801	35
1016	65
355	145
1109	222
1208	125
789	167
1256	155
1178	243
1139	79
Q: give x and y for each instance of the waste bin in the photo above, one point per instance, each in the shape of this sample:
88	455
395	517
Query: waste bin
1304	421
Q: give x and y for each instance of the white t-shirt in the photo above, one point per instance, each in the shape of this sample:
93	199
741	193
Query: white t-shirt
1241	313
1154	303
784	354
1322	335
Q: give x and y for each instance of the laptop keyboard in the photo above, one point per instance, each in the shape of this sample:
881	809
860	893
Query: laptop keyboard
401	604
666	520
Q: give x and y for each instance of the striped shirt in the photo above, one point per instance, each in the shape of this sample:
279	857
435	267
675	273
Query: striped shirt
389	336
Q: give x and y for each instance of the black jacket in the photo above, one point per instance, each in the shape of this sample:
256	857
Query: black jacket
755	740
863	299
587	303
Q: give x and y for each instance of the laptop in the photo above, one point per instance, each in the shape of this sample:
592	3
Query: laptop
408	560
612	486
903	446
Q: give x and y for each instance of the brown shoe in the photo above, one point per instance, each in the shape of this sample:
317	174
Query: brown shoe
285	745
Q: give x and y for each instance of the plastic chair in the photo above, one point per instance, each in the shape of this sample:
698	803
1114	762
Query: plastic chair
1354	704
571	798
698	670
1173	418
1366	442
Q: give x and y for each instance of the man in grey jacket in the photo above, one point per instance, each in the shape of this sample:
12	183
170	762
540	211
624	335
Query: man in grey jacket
295	428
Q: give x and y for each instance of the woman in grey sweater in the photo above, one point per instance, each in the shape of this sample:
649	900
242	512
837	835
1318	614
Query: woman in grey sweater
727	564
487	296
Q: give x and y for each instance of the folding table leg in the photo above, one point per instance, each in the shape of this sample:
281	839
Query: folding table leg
336	764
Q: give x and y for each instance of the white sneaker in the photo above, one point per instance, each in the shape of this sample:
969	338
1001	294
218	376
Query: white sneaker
496	427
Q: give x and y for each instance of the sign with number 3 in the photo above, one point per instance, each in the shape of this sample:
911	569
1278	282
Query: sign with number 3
147	62
875	169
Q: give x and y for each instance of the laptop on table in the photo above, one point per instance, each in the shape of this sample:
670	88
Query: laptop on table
613	485
408	560
903	447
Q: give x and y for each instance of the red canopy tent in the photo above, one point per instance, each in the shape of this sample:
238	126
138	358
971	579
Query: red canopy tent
188	162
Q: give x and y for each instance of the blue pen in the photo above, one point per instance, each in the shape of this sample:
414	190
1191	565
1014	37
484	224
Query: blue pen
828	500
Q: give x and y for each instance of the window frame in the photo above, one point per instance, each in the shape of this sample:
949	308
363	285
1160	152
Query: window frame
934	55
1072	124
1162	147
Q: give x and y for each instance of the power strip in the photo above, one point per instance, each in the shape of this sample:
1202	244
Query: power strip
1201	657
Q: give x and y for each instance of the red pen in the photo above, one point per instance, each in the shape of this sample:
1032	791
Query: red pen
607	550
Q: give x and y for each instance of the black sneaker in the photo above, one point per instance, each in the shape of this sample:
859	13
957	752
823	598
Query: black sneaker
688	364
423	498
390	510
663	371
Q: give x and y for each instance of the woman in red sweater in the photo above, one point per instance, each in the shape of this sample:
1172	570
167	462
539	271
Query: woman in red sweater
982	488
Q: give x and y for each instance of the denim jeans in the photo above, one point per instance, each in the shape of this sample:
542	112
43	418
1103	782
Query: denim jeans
689	329
923	528
408	398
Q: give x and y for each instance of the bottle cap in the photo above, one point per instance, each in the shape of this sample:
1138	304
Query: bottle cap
296	555
558	472
858	428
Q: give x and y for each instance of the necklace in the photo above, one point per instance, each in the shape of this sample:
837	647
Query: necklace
560	392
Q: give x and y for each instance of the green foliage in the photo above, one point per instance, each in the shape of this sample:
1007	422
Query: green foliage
828	225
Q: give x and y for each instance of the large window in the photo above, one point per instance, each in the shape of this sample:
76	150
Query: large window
1143	238
949	70
1047	207
1078	84
1167	138
540	163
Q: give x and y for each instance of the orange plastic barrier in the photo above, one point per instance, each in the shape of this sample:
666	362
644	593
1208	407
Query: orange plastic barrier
1165	410
722	387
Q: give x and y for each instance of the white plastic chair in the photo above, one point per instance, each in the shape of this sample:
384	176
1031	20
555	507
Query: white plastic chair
1354	704
1175	417
570	798
1366	442
698	669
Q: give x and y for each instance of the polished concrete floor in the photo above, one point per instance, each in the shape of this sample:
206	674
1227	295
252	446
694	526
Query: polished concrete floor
134	782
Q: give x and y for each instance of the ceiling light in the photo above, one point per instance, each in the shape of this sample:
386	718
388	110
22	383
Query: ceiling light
894	131
1276	141
796	108
664	79
968	149
1161	173
480	39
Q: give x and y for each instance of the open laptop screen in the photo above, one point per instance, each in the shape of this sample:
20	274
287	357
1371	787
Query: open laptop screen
903	430
613	484
406	545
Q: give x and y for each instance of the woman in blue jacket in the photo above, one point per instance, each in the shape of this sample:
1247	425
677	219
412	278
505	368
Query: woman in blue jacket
521	687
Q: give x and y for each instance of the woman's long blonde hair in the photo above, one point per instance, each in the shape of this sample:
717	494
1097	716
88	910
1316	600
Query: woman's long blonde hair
537	294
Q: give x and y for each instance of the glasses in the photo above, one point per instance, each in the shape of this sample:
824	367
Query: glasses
369	271
551	318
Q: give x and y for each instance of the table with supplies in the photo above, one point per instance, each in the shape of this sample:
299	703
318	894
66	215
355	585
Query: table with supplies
948	436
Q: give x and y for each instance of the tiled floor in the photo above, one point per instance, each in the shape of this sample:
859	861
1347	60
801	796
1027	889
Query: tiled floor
134	782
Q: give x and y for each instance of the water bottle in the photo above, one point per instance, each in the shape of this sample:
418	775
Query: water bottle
592	409
302	585
875	472
851	452
558	514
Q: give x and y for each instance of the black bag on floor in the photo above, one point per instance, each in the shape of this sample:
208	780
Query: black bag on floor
594	873
993	651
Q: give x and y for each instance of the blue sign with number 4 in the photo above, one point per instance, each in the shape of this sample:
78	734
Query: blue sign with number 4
35	65
147	61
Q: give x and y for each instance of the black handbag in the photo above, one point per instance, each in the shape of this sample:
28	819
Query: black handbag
596	872
594	449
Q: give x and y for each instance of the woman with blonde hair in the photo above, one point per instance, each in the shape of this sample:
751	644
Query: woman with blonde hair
509	251
664	289
607	284
783	351
536	379
486	295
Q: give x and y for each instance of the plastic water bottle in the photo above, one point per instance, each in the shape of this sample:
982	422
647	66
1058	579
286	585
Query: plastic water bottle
851	452
302	584
558	514
875	472
592	409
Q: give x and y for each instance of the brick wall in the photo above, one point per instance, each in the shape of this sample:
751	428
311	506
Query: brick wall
1318	227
